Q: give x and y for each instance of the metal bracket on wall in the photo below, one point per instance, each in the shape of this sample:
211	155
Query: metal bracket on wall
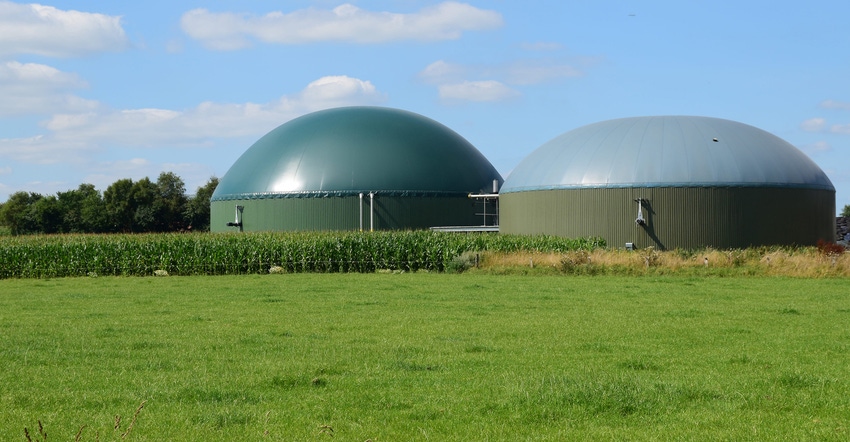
640	220
237	222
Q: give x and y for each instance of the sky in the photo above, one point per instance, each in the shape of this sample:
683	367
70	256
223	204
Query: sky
94	91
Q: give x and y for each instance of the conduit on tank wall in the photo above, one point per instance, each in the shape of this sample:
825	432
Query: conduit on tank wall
371	212
237	222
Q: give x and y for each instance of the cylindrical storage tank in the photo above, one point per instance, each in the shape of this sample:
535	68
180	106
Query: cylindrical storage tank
353	168
670	182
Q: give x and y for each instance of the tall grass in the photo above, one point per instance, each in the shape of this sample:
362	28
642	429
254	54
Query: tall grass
221	254
808	262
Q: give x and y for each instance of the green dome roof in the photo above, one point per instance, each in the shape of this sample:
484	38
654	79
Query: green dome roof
349	150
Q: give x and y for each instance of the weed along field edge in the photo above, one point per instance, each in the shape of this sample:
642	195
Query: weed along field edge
425	356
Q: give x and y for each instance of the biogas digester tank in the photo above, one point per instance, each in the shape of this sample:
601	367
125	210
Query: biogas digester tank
351	168
670	182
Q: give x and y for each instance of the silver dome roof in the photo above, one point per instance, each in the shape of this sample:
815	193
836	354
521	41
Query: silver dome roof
666	151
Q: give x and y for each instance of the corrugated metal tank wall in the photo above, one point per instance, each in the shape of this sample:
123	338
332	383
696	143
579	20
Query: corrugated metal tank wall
343	213
676	217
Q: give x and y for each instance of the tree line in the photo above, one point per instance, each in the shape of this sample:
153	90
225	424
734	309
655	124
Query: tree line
124	207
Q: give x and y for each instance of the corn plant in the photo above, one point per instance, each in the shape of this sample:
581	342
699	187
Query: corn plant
222	254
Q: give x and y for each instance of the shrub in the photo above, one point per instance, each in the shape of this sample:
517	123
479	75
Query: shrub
462	262
830	249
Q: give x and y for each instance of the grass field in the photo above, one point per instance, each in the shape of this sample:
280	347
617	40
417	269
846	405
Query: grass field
424	356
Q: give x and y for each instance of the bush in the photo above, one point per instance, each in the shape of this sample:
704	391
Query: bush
462	262
827	248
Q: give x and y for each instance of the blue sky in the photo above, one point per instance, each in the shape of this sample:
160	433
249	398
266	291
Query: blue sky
96	91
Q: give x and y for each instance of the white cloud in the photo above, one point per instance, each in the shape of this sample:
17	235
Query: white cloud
813	125
819	124
441	71
345	23
73	135
6	170
541	46
817	147
52	32
519	72
131	164
832	104
42	149
455	81
104	173
479	91
539	71
174	46
36	186
337	90
32	88
843	129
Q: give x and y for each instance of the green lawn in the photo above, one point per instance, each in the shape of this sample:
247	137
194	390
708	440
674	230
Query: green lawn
397	357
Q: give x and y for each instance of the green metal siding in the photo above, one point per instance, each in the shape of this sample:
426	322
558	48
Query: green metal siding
676	217
343	213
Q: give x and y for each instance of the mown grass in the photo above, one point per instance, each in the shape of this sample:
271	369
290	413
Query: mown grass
424	356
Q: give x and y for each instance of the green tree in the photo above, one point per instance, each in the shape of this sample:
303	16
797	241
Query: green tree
143	196
846	211
93	215
170	203
47	215
83	210
117	199
17	213
198	207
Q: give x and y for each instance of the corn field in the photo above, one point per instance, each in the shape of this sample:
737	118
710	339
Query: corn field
243	253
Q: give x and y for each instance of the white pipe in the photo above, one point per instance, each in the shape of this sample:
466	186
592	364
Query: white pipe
361	211
371	212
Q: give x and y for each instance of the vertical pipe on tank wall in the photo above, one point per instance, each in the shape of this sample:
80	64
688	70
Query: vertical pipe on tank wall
496	204
371	212
361	211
